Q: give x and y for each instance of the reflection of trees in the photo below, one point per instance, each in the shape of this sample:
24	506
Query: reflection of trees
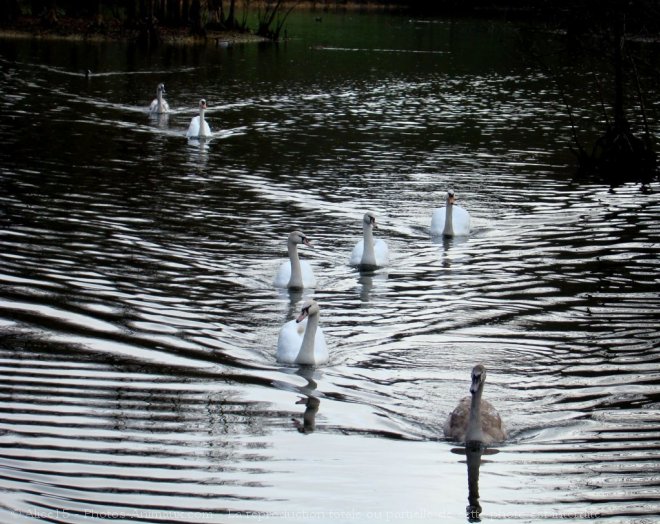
620	154
150	16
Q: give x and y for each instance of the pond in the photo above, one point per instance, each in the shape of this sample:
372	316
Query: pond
139	323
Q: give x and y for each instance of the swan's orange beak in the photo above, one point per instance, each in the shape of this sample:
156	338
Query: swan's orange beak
452	199
303	315
307	242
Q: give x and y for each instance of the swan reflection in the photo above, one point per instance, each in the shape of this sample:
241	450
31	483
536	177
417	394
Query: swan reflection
366	282
160	120
310	401
198	151
309	416
473	451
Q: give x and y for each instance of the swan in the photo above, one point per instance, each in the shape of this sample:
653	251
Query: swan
159	104
295	273
301	341
369	252
450	221
195	130
475	420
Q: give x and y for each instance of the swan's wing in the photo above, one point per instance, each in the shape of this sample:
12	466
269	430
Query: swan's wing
438	221
382	252
309	280
283	275
356	254
461	221
193	128
320	348
207	129
491	422
154	105
290	340
166	107
457	422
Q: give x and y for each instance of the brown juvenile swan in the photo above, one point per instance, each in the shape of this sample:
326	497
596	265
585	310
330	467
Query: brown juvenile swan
475	420
159	104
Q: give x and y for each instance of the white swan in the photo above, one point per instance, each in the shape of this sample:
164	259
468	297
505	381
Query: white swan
159	104
301	341
369	252
198	127
450	221
295	273
474	419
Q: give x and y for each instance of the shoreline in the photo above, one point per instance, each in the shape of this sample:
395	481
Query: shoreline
89	29
166	35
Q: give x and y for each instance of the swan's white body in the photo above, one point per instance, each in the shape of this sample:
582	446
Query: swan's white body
301	341
474	419
295	273
198	127
159	104
370	252
451	220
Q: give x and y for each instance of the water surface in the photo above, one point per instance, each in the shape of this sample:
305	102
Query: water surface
139	324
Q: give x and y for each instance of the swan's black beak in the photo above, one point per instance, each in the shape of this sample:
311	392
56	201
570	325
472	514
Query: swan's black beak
373	223
476	383
307	242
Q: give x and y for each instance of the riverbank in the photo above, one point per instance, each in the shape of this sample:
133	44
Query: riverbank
85	29
55	25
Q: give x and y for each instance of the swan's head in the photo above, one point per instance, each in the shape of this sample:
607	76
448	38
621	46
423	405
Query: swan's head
298	237
478	378
369	220
202	104
451	197
309	308
161	89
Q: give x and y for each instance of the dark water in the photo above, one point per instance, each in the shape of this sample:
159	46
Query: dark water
139	325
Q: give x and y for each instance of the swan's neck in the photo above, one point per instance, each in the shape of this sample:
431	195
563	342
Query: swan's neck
295	281
368	254
202	127
159	97
474	433
449	225
306	354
